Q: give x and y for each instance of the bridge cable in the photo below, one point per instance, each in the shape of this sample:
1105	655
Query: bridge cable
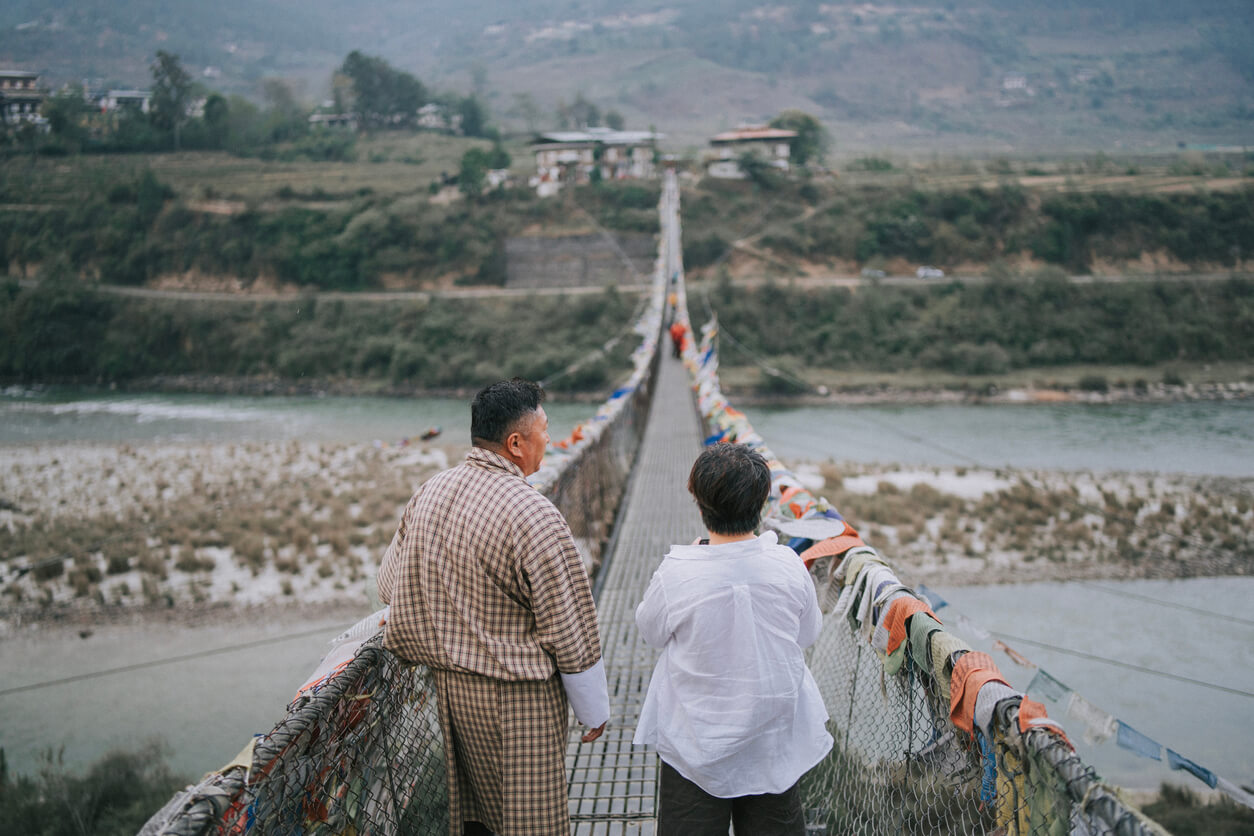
635	317
169	660
1160	602
1121	664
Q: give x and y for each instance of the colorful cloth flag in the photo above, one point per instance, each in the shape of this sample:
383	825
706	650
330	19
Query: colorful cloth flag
1046	686
1098	725
933	600
1177	761
1132	740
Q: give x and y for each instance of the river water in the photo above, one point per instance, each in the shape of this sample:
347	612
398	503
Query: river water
1207	437
241	674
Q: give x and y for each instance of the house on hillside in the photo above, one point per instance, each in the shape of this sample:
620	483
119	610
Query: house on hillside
346	121
594	153
436	117
120	101
774	145
20	97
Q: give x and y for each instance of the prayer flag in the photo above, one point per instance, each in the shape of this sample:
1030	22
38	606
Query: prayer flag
1234	792
1048	687
1015	656
1178	761
1132	740
1098	725
933	600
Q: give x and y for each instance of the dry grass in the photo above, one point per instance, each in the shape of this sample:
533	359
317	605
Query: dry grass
1047	525
203	523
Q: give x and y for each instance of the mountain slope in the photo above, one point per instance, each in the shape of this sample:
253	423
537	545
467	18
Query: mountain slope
993	75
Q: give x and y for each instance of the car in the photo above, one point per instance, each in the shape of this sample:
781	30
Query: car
930	273
871	273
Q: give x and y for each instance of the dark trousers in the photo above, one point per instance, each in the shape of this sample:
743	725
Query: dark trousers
684	809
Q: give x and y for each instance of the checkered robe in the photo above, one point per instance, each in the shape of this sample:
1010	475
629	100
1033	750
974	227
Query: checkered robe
488	590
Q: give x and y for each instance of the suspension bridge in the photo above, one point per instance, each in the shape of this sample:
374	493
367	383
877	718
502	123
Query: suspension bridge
929	737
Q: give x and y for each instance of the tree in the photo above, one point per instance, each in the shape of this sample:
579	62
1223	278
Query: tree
758	170
614	120
382	95
217	116
584	113
171	91
474	171
285	118
525	105
66	113
474	117
812	141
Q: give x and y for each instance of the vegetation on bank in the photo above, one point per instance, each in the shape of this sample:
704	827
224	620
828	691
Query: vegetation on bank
115	796
63	330
131	228
869	223
986	328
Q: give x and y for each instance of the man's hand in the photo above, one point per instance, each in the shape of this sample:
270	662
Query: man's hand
592	734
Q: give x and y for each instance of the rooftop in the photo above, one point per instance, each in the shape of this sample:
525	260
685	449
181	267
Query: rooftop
605	136
751	132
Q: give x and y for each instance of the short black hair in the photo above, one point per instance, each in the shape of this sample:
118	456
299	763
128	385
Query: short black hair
730	483
497	409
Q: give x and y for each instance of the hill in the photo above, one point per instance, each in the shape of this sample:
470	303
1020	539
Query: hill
998	76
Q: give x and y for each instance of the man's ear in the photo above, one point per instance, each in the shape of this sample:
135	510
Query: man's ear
512	442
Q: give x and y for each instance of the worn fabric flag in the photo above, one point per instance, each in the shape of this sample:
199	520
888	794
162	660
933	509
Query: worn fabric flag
1098	725
1015	656
933	600
1046	686
1132	740
1177	761
1234	792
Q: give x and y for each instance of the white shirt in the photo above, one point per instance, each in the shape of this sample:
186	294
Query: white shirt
731	705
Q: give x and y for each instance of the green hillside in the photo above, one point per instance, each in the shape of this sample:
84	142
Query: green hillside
1003	77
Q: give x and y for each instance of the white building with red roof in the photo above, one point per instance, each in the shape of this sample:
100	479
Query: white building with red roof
774	145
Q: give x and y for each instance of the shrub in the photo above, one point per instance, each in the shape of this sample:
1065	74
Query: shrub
115	797
1093	383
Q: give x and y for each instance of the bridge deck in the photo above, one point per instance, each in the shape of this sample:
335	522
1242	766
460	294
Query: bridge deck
613	785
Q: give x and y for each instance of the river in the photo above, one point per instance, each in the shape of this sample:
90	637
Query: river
1204	437
242	673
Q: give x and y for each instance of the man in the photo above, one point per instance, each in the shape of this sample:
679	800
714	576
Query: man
488	591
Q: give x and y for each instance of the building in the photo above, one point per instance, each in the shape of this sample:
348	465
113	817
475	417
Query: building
333	120
435	117
117	101
20	97
574	156
774	145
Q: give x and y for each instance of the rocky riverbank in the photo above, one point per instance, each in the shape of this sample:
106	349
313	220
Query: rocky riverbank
90	530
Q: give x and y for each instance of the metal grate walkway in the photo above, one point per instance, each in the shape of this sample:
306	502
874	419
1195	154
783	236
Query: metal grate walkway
613	785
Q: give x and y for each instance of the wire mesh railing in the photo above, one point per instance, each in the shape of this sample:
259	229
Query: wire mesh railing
360	750
929	737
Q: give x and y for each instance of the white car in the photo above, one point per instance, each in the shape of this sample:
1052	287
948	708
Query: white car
930	273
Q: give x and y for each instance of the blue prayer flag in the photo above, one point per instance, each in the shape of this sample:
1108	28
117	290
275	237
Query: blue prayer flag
1178	761
1132	740
1048	687
933	600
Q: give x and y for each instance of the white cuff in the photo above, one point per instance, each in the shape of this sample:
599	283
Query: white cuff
588	694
